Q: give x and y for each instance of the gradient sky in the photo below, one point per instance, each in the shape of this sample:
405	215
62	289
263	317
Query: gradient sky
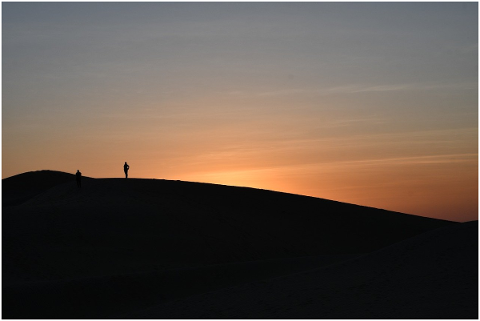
374	104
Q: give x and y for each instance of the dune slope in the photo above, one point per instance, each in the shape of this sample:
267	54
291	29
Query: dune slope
434	275
20	188
69	252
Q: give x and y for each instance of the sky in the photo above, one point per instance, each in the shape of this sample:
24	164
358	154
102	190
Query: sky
373	104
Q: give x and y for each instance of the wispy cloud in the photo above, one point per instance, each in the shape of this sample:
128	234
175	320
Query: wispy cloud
414	160
285	92
384	88
358	88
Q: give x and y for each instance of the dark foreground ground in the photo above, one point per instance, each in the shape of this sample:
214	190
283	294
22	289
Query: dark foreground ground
136	248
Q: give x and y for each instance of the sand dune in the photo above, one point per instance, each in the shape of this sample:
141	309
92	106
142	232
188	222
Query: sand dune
20	188
117	248
434	275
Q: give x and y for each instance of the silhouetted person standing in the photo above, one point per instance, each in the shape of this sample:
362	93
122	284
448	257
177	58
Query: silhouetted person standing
78	176
125	169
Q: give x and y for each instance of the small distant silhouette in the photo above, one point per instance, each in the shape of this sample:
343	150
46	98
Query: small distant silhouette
125	169
79	178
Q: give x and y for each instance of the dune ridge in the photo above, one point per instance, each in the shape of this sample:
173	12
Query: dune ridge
118	247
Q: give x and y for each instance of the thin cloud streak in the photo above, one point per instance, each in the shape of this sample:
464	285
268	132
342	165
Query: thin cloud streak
392	161
413	160
359	88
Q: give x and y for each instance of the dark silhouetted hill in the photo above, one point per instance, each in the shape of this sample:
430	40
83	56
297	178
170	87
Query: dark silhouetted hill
117	246
19	188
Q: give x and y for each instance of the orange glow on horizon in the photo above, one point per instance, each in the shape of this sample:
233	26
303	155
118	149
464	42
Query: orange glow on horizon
429	185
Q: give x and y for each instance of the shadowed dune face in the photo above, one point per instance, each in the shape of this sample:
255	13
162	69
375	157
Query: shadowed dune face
434	275
20	188
207	223
113	228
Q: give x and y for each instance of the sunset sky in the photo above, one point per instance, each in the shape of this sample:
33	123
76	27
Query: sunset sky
374	104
